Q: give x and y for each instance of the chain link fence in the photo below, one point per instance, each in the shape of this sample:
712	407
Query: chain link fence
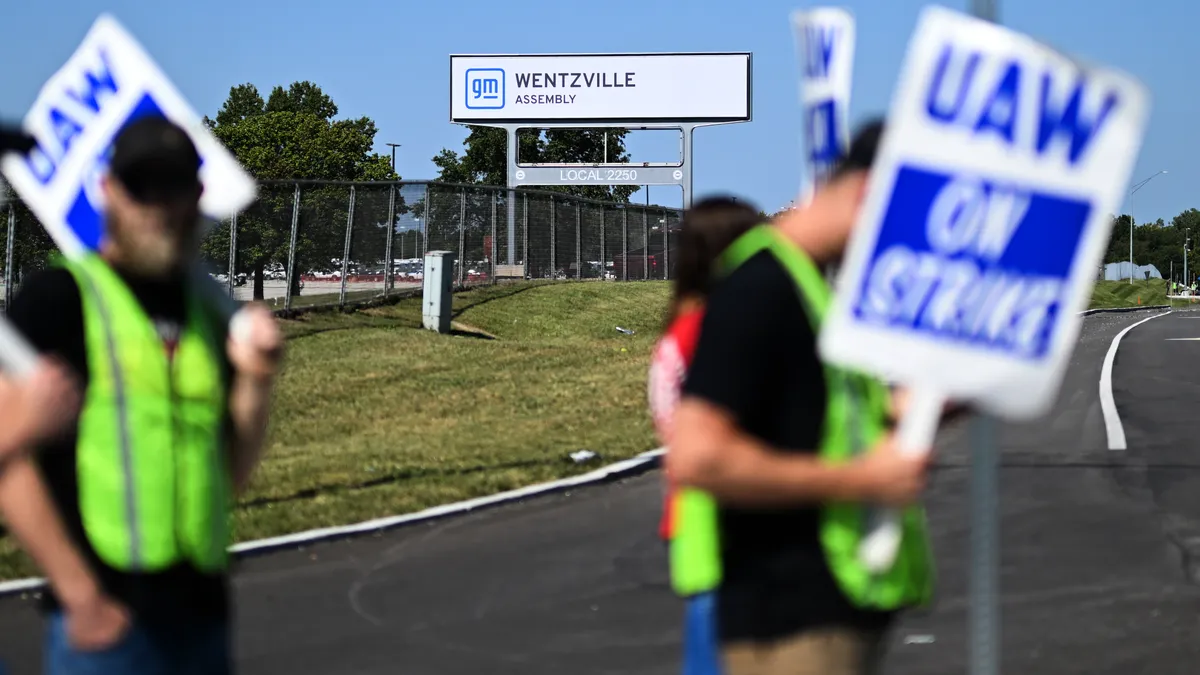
310	243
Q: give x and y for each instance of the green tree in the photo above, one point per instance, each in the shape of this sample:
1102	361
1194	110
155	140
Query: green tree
293	136
484	156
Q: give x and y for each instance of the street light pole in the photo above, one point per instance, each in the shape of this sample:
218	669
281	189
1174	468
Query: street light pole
393	147
1137	187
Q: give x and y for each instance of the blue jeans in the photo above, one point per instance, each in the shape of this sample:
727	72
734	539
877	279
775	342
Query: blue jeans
701	645
197	649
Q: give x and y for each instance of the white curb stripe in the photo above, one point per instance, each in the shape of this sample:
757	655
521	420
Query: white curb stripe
1112	419
644	460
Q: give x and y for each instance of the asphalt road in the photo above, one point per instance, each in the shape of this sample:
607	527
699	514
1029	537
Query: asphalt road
1093	579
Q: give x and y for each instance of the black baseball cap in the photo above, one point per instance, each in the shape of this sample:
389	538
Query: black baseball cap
155	160
14	139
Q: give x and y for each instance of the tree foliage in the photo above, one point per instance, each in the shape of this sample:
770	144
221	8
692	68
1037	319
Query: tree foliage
293	135
1158	243
484	157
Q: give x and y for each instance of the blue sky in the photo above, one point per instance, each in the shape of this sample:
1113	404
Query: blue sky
389	60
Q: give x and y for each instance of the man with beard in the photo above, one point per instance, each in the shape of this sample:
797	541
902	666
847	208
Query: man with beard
127	511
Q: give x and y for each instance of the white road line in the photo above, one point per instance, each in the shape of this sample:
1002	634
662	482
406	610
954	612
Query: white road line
311	536
1112	419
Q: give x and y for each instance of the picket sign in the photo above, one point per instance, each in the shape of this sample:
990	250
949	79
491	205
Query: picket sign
984	221
825	47
109	81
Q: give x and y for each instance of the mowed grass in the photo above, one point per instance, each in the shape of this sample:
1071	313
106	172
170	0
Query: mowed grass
1115	294
375	416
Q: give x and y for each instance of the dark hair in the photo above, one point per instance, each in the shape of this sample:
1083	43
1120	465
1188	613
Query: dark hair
707	229
860	156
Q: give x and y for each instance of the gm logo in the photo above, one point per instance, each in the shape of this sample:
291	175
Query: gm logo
485	88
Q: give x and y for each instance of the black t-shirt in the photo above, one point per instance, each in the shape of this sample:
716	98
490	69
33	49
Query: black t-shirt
757	359
48	310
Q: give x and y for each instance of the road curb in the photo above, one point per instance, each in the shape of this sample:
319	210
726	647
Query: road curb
605	474
1119	310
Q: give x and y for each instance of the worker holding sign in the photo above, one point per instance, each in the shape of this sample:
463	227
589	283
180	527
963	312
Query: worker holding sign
779	454
128	516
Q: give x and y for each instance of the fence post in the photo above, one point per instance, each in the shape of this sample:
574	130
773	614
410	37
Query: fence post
666	249
10	245
578	242
624	244
388	271
525	234
425	226
645	244
346	250
233	228
462	237
291	267
603	261
553	239
492	253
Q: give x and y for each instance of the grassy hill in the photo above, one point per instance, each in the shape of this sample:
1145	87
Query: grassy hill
1113	294
376	416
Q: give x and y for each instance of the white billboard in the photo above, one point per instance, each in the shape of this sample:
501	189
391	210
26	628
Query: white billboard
600	88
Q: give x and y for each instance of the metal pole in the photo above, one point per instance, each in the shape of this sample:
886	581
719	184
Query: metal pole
646	243
666	250
1131	221
233	228
425	226
512	201
346	249
388	268
492	253
984	554
553	239
10	246
603	261
291	268
984	605
462	236
624	244
525	233
394	146
578	242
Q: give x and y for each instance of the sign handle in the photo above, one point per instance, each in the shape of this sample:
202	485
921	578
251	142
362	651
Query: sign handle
916	435
17	357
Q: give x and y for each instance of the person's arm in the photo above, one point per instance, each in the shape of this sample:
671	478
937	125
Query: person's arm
36	408
755	323
711	453
34	520
255	363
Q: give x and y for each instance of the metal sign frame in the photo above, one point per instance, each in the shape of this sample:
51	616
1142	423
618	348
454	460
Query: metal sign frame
605	173
602	173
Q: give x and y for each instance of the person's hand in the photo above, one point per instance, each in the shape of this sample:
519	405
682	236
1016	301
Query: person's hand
96	623
256	347
885	475
42	404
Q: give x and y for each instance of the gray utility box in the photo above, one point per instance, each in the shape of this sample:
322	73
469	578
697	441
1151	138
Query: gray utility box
436	300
